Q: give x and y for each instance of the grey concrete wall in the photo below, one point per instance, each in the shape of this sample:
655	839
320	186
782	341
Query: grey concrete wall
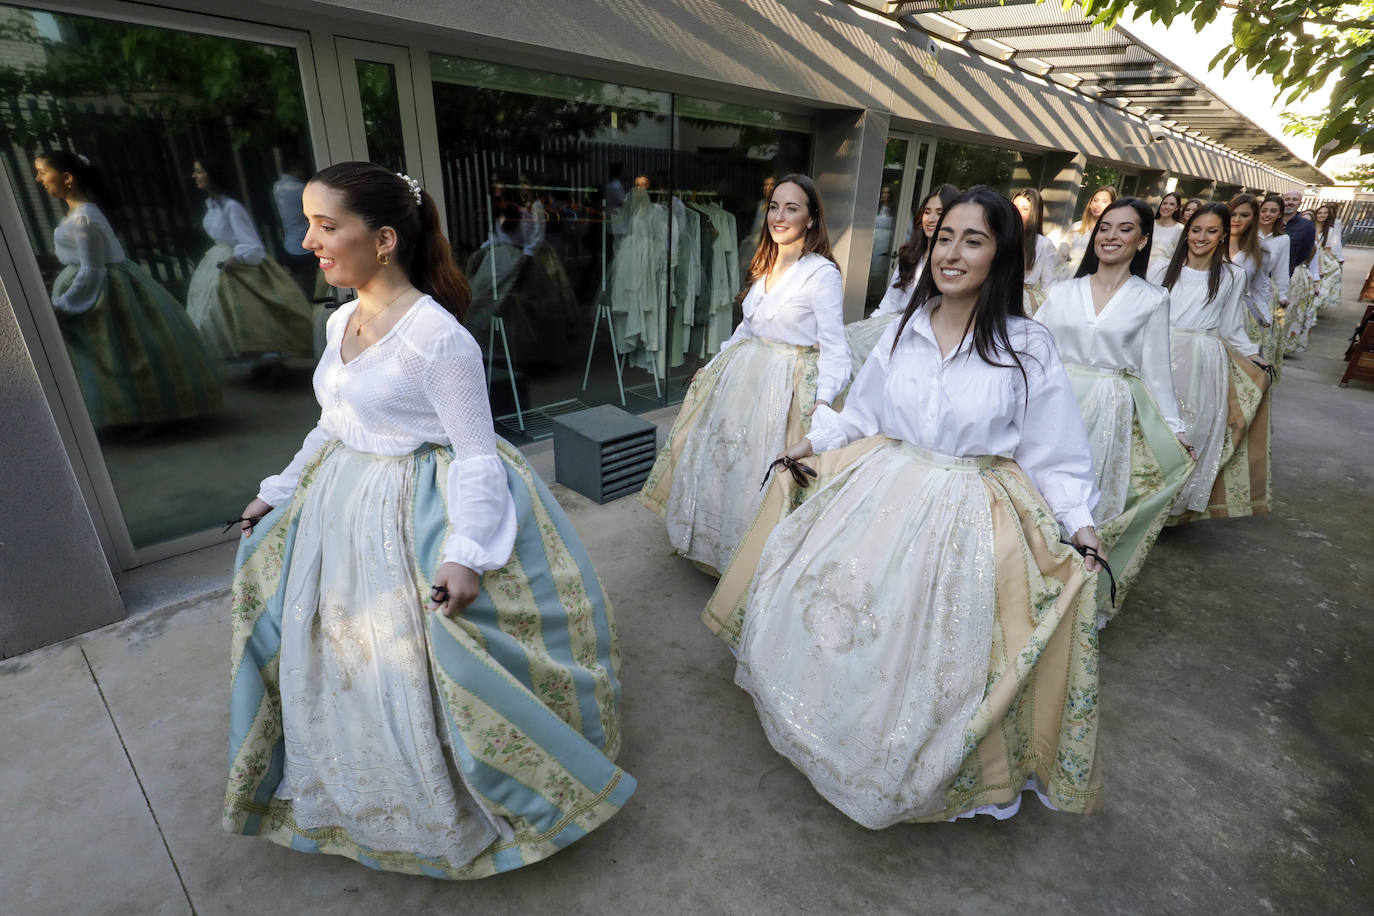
847	159
54	580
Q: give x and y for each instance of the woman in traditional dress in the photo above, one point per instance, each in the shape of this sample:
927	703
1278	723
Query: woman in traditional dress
911	260
1247	252
454	745
1330	257
1275	243
916	638
1168	229
786	357
1072	248
1302	299
1112	330
138	359
243	302
1041	256
1206	296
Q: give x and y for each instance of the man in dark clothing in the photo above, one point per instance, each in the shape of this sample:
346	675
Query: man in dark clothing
1302	232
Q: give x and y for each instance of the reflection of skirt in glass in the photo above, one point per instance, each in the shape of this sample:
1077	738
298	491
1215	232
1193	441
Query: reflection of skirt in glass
748	404
863	335
249	309
916	639
1328	294
1242	484
1140	468
1200	382
1302	310
137	357
534	298
366	726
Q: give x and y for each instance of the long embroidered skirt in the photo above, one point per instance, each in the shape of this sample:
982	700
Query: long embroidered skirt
1201	373
1243	484
138	359
1302	310
364	725
916	639
862	337
249	309
747	405
1140	468
1328	294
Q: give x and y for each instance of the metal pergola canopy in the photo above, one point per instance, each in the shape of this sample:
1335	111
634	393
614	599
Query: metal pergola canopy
1111	65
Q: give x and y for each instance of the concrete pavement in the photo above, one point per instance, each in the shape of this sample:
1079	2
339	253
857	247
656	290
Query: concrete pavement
1237	737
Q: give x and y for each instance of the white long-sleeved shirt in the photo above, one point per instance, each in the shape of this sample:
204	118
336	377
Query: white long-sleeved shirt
1164	240
422	382
805	307
959	405
1131	332
228	223
1255	299
1041	273
85	238
1275	264
1189	307
895	300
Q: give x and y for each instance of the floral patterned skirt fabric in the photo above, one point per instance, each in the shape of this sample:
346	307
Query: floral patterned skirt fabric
364	725
916	639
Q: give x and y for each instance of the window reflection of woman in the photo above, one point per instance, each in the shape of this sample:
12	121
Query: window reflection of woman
1111	327
910	261
1037	248
138	359
880	615
243	303
402	501
787	356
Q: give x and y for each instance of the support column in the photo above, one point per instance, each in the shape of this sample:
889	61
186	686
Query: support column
1153	185
1064	181
54	580
850	147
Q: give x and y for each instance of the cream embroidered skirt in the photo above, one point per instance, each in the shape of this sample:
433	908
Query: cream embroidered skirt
916	639
747	405
862	337
364	725
249	309
1201	375
1140	468
1302	310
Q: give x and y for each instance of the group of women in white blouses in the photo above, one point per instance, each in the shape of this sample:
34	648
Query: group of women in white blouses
934	549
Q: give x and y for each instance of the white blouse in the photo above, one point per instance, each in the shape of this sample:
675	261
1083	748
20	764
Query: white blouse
1255	299
1164	240
1275	265
228	223
805	307
422	382
84	237
895	300
961	406
1041	273
1189	307
1131	332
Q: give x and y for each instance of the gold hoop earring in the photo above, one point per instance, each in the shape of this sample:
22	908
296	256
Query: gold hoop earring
383	259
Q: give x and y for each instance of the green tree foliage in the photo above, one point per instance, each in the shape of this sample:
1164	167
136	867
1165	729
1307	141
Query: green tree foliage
1362	174
1301	45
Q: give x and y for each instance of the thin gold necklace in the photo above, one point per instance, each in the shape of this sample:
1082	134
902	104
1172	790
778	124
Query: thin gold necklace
358	332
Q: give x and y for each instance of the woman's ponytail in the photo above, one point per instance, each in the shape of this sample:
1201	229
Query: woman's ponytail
432	268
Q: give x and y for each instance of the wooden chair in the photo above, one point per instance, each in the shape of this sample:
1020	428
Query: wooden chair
1360	356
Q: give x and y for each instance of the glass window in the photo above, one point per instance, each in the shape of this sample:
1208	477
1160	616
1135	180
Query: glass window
166	220
1094	176
381	114
885	237
605	230
967	164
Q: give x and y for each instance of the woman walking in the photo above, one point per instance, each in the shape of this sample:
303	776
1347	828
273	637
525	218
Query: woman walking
894	629
455	744
1168	229
1038	249
1072	249
786	357
1112	330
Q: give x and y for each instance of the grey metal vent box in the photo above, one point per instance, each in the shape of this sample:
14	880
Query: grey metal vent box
603	452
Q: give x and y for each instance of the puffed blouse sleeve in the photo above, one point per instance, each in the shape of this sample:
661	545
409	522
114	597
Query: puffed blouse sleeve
1053	449
80	295
277	489
826	297
1232	326
831	429
247	243
1155	368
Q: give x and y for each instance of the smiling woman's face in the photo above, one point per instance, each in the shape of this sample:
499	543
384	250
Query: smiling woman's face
963	251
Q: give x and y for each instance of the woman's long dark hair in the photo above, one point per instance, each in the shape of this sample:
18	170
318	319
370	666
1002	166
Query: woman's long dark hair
382	198
1000	295
219	177
1274	199
89	180
1141	260
918	246
1034	225
1249	242
817	238
1178	204
1220	256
